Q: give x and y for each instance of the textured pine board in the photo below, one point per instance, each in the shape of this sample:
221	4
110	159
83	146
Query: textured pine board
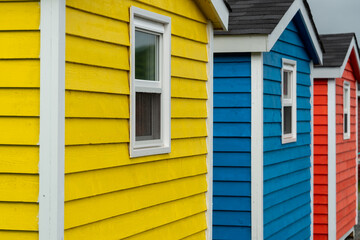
16	235
20	15
91	183
186	48
19	131
19	188
188	108
19	102
19	216
96	79
188	88
86	157
187	68
96	53
19	159
137	222
96	27
197	236
131	200
28	77
19	44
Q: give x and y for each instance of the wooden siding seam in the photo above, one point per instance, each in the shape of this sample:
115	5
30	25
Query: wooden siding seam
98	66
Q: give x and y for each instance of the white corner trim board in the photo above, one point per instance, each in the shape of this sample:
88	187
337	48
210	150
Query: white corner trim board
257	125
222	12
312	151
210	124
332	159
52	120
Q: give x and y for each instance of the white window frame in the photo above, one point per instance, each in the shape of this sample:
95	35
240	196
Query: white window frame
160	25
346	99
289	65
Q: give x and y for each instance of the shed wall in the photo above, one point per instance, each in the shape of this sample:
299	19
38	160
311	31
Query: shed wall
287	184
19	119
107	194
345	157
232	148
320	159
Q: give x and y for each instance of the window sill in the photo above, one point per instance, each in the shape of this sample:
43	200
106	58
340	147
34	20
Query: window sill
288	140
142	152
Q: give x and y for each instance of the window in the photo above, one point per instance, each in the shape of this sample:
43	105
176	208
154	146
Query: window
346	107
288	101
150	83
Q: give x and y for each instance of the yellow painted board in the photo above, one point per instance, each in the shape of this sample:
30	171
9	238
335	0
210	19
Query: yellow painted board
117	203
187	68
188	88
20	73
19	16
139	221
19	216
19	159
186	8
97	27
188	128
94	131
19	235
96	79
19	187
19	102
188	108
96	105
175	230
19	44
92	183
180	26
197	236
19	131
186	48
91	52
86	157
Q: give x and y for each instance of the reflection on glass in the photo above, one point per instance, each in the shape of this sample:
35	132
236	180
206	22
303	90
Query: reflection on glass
146	51
147	116
287	85
287	120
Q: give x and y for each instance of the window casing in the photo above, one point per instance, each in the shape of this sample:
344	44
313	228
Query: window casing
150	83
288	101
346	109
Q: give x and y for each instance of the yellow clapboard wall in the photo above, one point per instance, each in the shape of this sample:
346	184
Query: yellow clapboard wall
107	194
19	119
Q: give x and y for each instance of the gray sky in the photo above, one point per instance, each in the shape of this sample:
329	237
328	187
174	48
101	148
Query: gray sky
336	16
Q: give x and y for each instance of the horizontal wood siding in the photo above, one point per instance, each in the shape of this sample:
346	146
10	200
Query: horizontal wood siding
19	119
107	194
345	157
287	166
320	159
232	137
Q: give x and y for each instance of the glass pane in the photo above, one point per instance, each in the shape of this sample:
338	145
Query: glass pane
346	96
345	123
146	56
147	116
287	85
287	120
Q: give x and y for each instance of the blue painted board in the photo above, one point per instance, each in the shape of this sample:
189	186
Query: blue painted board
232	218
285	167
231	159
229	188
232	114
232	85
232	130
228	232
231	174
231	203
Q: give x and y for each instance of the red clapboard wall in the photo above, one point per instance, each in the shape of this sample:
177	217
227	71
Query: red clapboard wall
320	159
345	157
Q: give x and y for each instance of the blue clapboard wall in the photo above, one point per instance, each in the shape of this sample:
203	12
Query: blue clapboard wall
287	206
232	132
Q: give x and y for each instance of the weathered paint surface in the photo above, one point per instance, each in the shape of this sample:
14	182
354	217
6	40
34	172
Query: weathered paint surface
320	159
345	157
287	166
107	194
232	137
19	119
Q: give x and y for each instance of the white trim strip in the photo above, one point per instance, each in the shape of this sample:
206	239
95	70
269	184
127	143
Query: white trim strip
347	234
332	159
257	125
222	13
52	120
237	43
210	124
312	152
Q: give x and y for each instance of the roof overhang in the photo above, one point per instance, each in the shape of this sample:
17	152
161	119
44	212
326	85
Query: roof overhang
216	11
337	72
264	43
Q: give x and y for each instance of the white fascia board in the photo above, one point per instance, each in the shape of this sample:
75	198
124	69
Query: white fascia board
222	13
210	124
257	141
332	158
298	5
240	43
52	120
337	72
